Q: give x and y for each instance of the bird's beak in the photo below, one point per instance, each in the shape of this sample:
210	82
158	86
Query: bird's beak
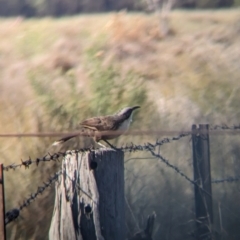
135	107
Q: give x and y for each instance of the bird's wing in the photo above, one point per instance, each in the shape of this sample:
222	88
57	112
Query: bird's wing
100	123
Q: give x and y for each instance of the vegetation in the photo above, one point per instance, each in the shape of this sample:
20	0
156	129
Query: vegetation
56	72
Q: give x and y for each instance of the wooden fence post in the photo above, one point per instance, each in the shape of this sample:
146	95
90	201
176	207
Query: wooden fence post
2	206
89	201
202	176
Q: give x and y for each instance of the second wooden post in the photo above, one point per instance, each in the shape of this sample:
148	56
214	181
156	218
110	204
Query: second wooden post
202	178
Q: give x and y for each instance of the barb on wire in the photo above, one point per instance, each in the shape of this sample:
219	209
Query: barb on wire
14	213
176	169
147	146
224	127
228	179
46	158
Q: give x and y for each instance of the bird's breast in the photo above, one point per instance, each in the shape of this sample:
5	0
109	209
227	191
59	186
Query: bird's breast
125	125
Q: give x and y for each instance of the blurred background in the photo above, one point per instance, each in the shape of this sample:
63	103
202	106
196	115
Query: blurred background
62	61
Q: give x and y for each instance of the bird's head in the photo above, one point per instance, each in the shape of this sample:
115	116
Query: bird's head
127	111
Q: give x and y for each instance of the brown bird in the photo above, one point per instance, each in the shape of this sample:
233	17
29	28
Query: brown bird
105	127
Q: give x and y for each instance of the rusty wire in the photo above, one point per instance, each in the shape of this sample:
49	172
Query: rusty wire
217	129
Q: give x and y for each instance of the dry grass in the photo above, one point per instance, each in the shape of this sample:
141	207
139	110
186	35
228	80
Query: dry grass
191	76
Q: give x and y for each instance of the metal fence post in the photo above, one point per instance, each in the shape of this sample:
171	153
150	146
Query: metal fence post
2	206
202	178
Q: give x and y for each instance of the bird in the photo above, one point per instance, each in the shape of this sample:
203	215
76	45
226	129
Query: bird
104	127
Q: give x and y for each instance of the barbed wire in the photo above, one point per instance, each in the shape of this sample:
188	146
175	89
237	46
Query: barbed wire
46	158
228	179
133	148
224	127
58	155
14	213
176	169
150	147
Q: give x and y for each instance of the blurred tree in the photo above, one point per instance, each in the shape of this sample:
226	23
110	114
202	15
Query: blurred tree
30	8
163	8
213	3
237	2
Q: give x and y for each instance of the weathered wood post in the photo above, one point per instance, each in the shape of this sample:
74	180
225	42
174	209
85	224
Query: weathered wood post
202	176
89	201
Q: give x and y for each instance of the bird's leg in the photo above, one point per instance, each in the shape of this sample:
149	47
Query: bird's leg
109	144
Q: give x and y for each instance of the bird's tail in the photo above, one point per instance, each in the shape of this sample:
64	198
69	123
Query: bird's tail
63	140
